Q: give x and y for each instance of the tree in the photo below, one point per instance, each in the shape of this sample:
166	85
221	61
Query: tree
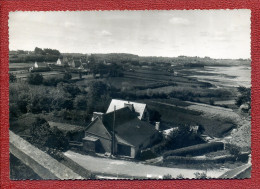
154	116
45	136
12	77
80	102
40	132
38	51
23	101
67	76
244	97
98	96
69	88
51	52
35	79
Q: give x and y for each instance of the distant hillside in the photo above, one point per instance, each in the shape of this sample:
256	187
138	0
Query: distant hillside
41	55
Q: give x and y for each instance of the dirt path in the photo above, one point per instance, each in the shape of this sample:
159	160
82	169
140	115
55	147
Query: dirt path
133	169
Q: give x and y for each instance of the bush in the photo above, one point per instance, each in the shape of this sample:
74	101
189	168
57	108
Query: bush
233	149
35	79
52	81
211	102
44	136
67	76
180	176
12	77
168	176
199	175
146	154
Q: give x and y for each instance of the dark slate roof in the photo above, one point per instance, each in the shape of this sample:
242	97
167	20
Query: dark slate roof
128	126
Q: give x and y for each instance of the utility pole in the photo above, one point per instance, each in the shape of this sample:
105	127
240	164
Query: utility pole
113	132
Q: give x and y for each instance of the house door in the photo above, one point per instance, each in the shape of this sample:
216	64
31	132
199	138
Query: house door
123	150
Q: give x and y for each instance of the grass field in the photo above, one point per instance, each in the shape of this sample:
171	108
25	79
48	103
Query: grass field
172	116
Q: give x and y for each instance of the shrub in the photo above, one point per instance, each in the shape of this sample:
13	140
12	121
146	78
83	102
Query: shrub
12	77
180	176
35	79
67	76
168	176
146	154
44	136
211	102
199	175
52	81
233	149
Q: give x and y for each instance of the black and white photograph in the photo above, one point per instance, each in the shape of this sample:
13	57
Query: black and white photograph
147	94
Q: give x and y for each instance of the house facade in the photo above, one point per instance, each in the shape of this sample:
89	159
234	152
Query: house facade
119	132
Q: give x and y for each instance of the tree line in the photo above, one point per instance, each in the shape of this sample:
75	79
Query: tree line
39	55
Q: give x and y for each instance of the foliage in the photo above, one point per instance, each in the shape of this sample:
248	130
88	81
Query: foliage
211	102
154	116
52	81
233	149
14	110
180	176
168	176
44	136
68	88
35	79
12	77
98	96
244	97
80	102
67	76
199	175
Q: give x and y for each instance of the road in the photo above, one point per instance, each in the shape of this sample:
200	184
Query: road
114	167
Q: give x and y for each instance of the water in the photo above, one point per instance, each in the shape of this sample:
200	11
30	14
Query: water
230	76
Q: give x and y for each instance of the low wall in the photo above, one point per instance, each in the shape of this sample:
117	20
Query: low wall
196	149
41	163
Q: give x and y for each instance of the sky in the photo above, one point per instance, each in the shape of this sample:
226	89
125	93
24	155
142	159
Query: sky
212	33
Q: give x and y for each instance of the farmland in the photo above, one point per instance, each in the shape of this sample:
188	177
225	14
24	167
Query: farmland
181	95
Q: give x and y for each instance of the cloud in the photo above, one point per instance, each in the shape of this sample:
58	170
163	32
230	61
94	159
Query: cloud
179	21
105	33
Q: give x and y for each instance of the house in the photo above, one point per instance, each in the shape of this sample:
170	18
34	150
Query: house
119	132
39	67
60	62
71	132
139	108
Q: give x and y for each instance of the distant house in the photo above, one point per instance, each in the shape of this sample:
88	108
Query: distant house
119	132
60	62
71	132
39	67
139	108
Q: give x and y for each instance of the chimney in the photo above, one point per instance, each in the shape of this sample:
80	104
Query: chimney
157	126
130	106
97	114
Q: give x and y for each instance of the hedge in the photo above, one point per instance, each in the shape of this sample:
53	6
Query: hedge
186	160
196	149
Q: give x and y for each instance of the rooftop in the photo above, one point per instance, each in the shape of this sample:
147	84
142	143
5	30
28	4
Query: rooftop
139	107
